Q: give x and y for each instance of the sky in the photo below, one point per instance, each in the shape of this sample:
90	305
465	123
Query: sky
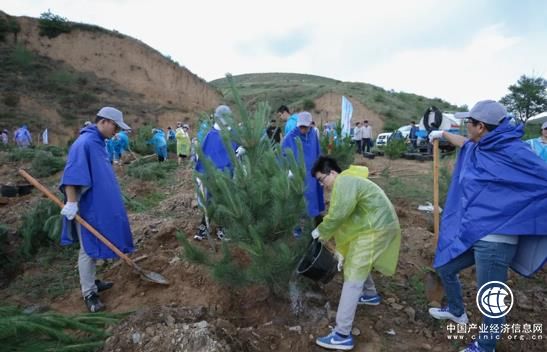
460	51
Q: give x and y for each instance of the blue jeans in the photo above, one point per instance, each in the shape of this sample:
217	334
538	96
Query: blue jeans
491	261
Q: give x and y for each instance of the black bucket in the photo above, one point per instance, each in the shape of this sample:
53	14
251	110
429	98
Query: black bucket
318	263
24	189
8	191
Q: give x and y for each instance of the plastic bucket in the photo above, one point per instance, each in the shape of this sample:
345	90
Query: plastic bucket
318	263
24	189
8	191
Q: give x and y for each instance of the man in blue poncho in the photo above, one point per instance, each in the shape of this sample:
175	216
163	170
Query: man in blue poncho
124	142
213	149
90	187
313	191
22	137
495	215
159	143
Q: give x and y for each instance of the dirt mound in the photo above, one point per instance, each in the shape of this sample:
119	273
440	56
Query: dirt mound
168	329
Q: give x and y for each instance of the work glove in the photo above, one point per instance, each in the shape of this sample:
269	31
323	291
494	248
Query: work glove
69	210
315	233
435	135
240	151
340	259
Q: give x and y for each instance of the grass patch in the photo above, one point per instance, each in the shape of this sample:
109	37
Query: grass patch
57	275
151	170
143	203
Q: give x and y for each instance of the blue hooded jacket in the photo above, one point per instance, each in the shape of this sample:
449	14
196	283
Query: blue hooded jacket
310	146
100	202
213	148
498	187
159	143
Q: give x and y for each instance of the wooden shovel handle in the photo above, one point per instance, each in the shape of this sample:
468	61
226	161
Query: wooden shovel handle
84	223
436	219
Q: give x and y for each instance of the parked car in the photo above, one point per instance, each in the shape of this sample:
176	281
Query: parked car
382	138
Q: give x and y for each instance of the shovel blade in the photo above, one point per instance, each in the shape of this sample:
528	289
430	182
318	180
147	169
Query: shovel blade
434	290
154	277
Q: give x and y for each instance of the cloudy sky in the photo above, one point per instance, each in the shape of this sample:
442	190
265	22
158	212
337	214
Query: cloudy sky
461	51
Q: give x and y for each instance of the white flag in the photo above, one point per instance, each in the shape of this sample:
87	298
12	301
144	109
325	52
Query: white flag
347	111
45	137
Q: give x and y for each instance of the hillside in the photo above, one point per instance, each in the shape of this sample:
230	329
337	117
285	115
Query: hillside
385	109
60	82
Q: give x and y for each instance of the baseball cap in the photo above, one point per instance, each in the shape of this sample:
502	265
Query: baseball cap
114	115
304	119
487	111
544	126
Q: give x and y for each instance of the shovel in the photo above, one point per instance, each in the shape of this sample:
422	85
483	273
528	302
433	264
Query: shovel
434	290
145	275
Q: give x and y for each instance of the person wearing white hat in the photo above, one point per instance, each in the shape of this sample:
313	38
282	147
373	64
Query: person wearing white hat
539	144
313	191
91	189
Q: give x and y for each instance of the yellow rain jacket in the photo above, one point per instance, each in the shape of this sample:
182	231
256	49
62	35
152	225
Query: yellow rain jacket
364	225
183	142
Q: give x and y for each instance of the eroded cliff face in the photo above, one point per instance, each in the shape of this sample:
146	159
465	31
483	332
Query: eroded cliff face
174	91
329	107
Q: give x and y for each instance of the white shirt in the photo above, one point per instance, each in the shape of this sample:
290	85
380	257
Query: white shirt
366	132
357	133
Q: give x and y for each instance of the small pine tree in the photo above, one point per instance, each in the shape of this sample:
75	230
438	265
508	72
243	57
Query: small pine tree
338	148
257	206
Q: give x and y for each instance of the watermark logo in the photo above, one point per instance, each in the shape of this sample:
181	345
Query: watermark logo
492	297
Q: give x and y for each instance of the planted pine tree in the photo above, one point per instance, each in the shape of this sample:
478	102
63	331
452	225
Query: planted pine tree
20	331
257	205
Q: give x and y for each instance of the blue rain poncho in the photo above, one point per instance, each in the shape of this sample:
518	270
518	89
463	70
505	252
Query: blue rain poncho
538	147
498	187
159	143
100	202
364	225
124	141
290	125
22	136
109	146
313	191
213	148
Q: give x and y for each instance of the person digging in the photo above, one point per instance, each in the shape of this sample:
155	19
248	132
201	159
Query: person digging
90	188
366	230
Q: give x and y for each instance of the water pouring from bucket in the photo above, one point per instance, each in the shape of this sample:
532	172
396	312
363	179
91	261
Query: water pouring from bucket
318	263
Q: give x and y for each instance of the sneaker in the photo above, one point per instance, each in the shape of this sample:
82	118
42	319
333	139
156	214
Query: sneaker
103	285
220	234
202	234
443	314
474	347
297	232
334	341
93	303
373	300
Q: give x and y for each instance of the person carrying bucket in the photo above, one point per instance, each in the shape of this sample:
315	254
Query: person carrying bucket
366	230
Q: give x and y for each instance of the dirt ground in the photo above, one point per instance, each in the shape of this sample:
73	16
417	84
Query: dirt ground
194	313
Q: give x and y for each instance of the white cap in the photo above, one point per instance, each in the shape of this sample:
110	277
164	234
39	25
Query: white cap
304	119
544	126
114	115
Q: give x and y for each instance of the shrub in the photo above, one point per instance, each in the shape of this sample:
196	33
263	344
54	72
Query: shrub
308	105
38	229
61	80
52	25
21	154
395	148
53	149
9	25
46	164
139	143
21	57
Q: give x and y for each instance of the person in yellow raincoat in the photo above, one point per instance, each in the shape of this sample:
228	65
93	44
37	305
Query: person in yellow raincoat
366	230
183	141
